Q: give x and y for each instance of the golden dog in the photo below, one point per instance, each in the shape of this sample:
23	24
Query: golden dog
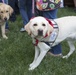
5	13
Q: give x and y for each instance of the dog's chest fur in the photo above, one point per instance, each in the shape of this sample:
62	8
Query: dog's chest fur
1	22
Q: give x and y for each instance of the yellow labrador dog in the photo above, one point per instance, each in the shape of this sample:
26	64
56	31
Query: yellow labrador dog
38	27
5	12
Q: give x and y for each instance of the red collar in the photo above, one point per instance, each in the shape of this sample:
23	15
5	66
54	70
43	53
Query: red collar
36	42
49	22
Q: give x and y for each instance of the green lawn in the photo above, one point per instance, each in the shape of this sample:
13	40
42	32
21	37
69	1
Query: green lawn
17	53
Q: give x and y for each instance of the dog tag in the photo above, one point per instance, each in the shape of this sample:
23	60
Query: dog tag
53	36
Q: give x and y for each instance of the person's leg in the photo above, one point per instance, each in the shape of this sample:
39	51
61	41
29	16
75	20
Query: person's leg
0	1
22	6
7	27
56	50
12	4
6	1
29	9
50	14
16	7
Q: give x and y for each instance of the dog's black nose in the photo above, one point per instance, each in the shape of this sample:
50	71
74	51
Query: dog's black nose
5	19
40	32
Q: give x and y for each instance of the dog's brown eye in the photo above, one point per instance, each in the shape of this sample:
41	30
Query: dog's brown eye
6	11
35	24
1	11
43	25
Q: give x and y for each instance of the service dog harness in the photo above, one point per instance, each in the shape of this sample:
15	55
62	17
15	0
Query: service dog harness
53	36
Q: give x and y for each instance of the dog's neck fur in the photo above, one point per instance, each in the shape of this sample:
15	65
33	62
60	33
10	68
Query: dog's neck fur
38	39
2	22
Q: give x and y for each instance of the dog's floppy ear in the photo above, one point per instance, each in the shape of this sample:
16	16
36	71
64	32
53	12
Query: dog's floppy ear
27	28
50	29
10	10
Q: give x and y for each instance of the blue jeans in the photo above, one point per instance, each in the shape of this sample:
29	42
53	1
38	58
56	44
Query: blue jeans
48	14
52	15
25	7
12	4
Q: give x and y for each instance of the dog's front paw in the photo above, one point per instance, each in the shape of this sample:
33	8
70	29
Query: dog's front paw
5	37
32	68
66	56
31	64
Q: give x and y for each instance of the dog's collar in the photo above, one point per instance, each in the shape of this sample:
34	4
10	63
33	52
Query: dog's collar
36	40
53	36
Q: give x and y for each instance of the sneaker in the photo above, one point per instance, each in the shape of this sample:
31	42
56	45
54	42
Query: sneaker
22	30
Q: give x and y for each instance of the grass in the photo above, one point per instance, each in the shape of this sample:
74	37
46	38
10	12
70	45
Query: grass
17	53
